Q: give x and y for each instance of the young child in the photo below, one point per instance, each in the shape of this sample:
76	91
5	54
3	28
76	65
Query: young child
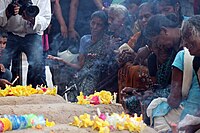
5	74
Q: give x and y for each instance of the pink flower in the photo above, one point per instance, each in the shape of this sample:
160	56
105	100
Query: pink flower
95	100
44	89
102	116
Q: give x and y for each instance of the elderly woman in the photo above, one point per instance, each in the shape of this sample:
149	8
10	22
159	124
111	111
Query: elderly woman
119	33
185	92
190	32
91	54
191	39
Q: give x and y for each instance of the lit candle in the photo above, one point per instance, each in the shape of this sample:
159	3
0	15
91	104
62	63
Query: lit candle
66	97
15	79
115	98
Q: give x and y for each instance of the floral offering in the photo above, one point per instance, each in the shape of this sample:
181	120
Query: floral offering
27	91
103	97
105	123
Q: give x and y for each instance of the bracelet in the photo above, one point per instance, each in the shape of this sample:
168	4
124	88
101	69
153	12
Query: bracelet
148	48
103	8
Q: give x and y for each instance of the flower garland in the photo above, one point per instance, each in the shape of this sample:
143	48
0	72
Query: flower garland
105	123
102	97
27	91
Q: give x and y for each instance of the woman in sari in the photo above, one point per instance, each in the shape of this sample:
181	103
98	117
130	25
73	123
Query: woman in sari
163	33
91	54
183	101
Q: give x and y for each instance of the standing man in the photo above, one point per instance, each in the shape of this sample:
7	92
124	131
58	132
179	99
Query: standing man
25	21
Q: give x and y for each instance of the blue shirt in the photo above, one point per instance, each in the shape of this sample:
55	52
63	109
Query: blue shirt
191	104
85	42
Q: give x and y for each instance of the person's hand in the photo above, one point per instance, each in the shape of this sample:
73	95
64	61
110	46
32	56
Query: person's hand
142	54
51	57
126	91
2	68
125	56
28	18
63	29
73	35
189	128
4	82
91	55
115	40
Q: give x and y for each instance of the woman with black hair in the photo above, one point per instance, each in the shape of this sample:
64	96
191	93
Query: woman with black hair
185	92
170	6
165	7
165	37
130	75
91	54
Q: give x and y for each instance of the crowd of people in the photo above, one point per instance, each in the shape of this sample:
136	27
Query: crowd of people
145	50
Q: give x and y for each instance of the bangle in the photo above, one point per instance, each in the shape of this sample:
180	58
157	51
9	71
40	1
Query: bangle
103	8
148	48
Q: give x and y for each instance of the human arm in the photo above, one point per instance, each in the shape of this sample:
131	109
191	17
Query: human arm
77	66
2	68
175	96
4	82
142	54
100	6
42	20
72	18
59	17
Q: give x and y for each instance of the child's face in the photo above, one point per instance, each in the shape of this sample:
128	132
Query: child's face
3	41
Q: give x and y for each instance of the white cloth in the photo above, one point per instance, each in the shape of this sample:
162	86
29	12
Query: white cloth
153	105
68	56
187	73
189	120
18	26
123	47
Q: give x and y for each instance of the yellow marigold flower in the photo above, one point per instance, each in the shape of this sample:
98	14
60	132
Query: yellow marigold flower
50	124
3	93
119	126
104	130
97	124
76	122
82	100
105	97
86	121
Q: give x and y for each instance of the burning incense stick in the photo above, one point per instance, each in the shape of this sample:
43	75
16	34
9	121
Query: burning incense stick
15	80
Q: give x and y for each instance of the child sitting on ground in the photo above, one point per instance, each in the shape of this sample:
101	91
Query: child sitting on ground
5	74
